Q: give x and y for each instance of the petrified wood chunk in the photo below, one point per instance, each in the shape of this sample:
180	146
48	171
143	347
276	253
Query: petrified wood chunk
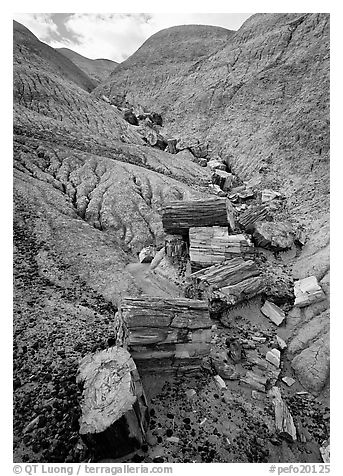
307	291
171	147
253	214
166	332
212	245
203	282
175	248
179	216
283	418
114	409
273	312
223	179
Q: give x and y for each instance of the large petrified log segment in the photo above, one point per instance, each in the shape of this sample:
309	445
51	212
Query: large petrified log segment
283	418
179	216
114	415
231	272
212	245
167	334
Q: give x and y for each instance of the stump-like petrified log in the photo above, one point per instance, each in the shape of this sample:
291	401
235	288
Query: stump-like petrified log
167	334
212	245
175	248
114	410
179	216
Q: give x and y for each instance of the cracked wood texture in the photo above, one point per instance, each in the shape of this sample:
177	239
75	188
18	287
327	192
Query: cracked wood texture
166	334
114	414
179	216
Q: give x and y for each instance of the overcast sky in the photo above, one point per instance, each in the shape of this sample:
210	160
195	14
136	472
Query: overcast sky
114	35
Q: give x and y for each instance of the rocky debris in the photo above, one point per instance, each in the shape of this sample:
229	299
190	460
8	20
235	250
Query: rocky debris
289	381
199	150
166	334
307	291
273	356
268	195
212	245
190	393
147	254
276	236
325	451
171	147
255	380
223	179
215	165
114	415
130	117
219	382
273	312
300	237
217	190
281	343
283	418
179	216
253	214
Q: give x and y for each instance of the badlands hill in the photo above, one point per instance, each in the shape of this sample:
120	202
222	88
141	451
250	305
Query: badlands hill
88	193
98	69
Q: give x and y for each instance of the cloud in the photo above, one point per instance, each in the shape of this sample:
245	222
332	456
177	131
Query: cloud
114	35
40	24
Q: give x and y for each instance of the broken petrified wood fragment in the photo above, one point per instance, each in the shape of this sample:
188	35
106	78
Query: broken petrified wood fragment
253	214
283	418
273	312
147	254
171	147
179	216
307	291
232	281
213	245
223	179
167	334
114	415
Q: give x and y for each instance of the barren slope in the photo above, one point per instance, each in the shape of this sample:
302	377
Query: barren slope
87	196
98	69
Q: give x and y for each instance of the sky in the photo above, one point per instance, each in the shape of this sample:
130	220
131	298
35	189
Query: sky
114	36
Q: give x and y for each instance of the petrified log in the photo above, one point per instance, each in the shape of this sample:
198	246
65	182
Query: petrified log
203	282
212	245
114	415
242	291
179	216
307	291
166	333
283	418
175	248
253	214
